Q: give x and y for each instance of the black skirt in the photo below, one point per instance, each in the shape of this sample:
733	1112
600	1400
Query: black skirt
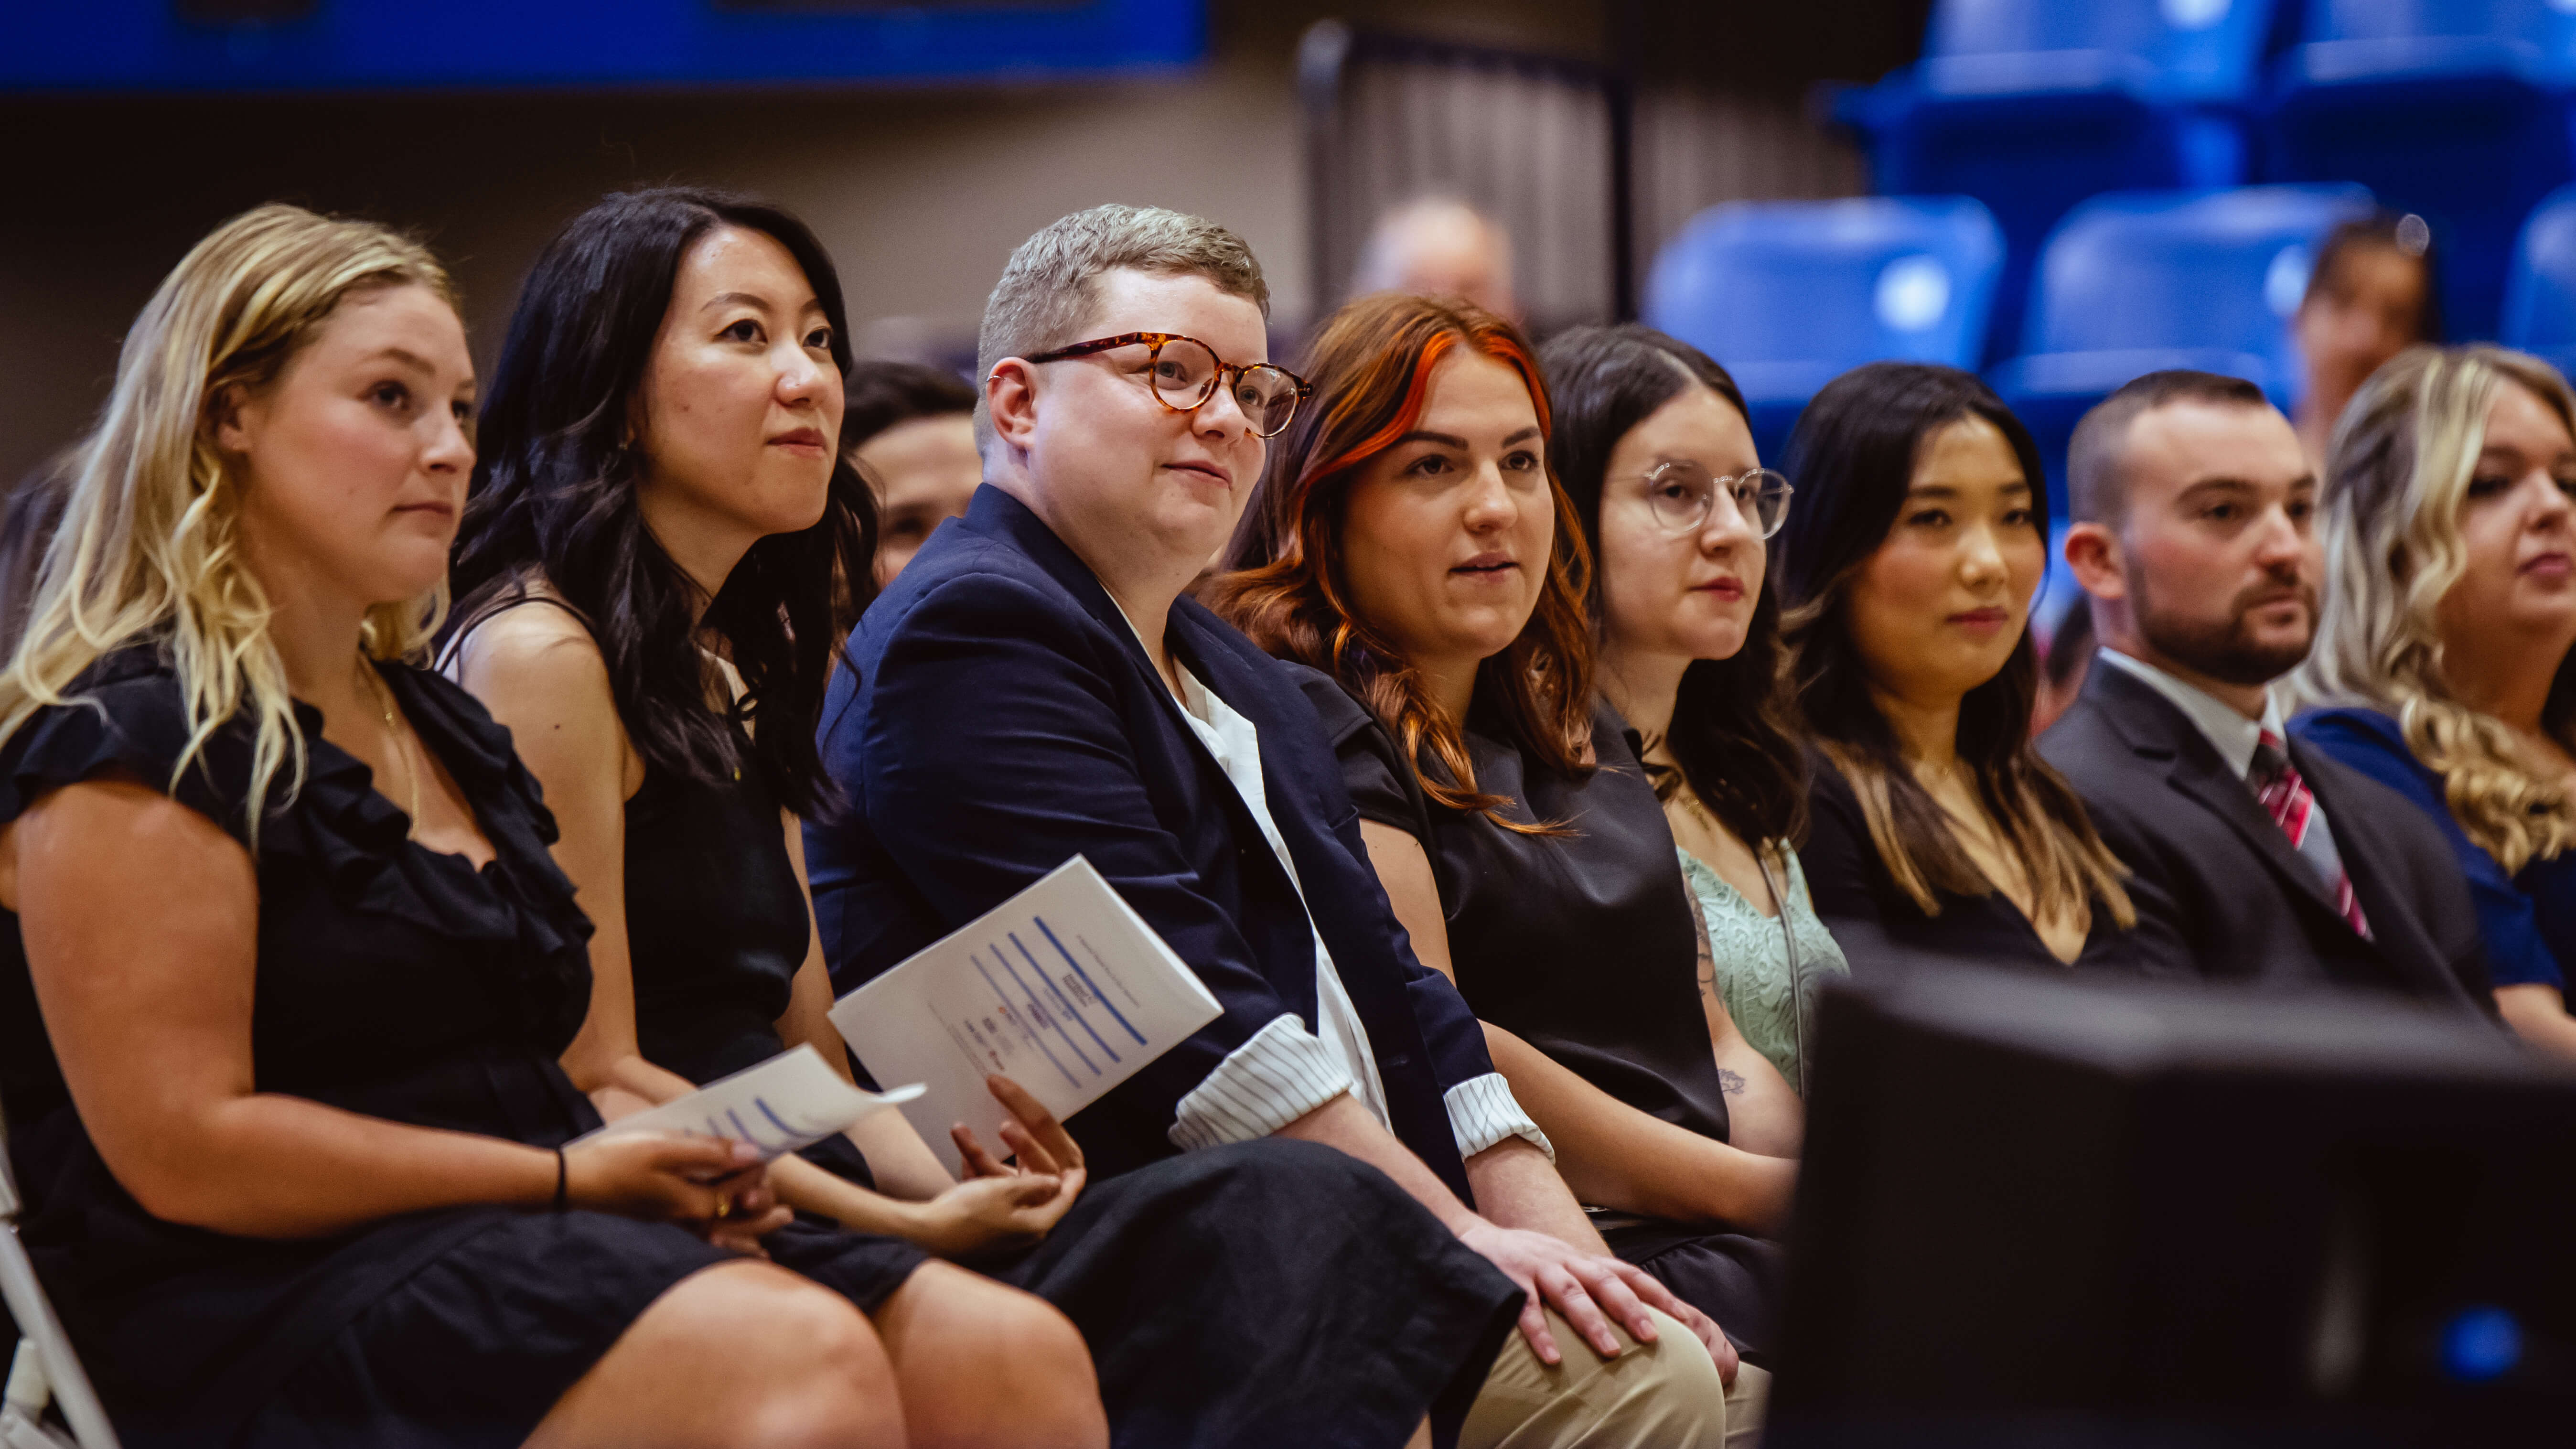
478	1345
1269	1293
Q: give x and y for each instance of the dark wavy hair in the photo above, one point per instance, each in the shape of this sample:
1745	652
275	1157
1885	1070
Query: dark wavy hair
1733	733
554	492
1852	459
1371	366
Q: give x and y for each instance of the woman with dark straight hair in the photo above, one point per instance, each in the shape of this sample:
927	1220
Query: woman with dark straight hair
694	597
1411	554
646	576
1907	572
651	559
1652	444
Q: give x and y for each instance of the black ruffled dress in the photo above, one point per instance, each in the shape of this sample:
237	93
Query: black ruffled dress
392	981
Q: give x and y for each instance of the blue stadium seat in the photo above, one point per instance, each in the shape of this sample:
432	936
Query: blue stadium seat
2454	109
2032	105
2540	295
1788	294
2136	282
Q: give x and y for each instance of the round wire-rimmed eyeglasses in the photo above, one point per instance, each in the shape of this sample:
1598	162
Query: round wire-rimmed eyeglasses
1682	493
1185	373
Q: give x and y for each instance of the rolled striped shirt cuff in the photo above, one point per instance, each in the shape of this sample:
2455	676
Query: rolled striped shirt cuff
1280	1075
1483	1111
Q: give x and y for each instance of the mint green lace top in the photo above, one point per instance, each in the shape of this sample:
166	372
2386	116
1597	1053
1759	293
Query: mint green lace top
1753	961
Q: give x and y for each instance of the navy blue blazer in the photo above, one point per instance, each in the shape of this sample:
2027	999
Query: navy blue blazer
994	715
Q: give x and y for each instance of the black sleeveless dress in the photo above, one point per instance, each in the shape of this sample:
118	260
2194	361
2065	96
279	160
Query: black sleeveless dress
1268	1293
1582	944
392	981
716	928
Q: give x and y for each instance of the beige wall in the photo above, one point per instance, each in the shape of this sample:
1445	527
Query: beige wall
919	194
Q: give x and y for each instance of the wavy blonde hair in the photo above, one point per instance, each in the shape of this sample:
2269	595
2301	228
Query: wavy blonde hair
149	545
2397	474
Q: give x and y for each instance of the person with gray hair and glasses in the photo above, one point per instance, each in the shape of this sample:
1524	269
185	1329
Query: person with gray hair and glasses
1034	686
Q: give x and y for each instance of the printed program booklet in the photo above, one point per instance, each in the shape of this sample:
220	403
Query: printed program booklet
790	1101
1063	988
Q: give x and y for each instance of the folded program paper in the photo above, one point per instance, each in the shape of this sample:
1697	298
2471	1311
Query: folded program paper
790	1101
1063	988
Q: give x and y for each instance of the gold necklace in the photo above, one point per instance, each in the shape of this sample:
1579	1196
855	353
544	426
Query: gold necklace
393	732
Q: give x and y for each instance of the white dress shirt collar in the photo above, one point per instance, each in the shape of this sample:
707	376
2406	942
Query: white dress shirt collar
2227	730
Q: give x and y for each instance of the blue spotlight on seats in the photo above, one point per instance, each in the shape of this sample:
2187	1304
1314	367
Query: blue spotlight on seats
1787	294
2032	105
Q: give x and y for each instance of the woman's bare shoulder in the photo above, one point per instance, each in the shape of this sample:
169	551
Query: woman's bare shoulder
532	638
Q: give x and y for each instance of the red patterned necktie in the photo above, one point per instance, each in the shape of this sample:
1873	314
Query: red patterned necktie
2278	784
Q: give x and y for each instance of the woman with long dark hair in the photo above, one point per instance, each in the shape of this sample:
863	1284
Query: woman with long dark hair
645	575
1410	550
1907	572
1652	444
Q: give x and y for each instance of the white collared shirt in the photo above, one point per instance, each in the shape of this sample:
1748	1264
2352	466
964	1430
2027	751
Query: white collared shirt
2236	738
2227	730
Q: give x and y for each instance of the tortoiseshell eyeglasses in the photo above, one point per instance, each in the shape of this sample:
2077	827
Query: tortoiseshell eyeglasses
1185	373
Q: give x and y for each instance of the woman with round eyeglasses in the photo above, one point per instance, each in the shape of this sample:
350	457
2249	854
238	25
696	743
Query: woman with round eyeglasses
1652	444
1410	551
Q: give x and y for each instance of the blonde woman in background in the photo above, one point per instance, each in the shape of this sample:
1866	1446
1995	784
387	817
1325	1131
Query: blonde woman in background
287	967
2441	662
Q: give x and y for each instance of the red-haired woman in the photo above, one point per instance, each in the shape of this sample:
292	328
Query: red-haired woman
1412	550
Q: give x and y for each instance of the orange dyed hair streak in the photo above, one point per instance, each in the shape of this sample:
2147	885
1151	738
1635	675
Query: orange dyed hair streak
1283	585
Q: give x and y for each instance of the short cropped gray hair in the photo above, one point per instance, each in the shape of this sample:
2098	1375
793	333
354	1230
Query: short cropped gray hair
1050	287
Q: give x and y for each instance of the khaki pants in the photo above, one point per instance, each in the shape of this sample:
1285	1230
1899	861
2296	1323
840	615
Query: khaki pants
1660	1395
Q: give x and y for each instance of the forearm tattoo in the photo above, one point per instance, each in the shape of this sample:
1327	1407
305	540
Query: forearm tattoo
1707	957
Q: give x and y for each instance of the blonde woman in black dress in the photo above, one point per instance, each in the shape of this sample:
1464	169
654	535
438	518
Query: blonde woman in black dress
289	967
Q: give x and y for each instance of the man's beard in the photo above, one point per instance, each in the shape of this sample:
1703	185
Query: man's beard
2227	652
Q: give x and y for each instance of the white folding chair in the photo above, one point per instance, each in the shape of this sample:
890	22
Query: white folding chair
44	1373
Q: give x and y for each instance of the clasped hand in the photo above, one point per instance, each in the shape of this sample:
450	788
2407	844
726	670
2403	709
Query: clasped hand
716	1187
